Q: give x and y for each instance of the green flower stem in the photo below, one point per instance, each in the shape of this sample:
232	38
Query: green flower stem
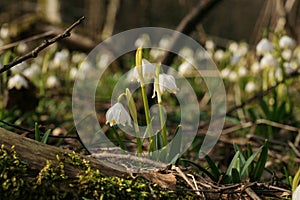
133	113
161	113
163	125
147	113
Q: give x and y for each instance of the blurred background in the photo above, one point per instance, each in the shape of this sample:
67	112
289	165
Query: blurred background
104	18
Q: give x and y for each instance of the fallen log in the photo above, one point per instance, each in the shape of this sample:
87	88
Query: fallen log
36	154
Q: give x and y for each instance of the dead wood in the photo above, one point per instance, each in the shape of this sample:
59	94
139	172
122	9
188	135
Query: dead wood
36	155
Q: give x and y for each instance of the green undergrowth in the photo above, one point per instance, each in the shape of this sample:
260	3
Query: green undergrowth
18	180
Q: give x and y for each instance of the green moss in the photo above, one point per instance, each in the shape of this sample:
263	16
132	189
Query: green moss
19	180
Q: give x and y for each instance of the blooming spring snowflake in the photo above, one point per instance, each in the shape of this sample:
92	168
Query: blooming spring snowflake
118	115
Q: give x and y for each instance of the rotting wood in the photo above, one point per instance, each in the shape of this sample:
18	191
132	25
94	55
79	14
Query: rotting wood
36	154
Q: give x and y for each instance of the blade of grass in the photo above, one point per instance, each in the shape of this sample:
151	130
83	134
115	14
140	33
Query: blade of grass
233	163
45	136
245	170
37	136
214	169
260	165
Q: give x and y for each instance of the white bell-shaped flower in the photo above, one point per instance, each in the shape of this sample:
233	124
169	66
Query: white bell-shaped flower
166	82
117	114
264	46
296	194
18	82
148	71
287	42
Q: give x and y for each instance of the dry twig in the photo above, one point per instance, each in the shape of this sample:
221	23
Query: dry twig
46	43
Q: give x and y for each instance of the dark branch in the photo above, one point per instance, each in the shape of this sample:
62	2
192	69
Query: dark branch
188	24
42	46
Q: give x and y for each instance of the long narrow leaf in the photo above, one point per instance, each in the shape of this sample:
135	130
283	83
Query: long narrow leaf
175	148
213	168
45	136
235	177
233	163
37	136
249	161
249	153
260	165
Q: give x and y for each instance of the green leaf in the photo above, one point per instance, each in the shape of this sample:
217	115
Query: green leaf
264	108
261	162
242	157
45	136
233	163
249	153
175	148
249	161
120	141
37	136
236	177
213	168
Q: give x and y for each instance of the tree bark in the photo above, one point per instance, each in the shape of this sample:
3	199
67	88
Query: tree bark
36	154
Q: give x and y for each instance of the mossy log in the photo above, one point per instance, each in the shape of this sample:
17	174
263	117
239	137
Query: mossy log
36	154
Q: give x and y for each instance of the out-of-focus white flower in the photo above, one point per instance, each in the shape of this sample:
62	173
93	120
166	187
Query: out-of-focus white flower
287	54
148	71
60	58
233	77
287	42
52	82
166	83
22	48
186	53
86	66
186	69
117	114
278	74
18	82
103	61
210	45
256	68
242	49
165	42
19	68
242	71
4	31
143	41
234	59
233	47
225	72
78	57
268	61
289	67
156	53
264	46
73	73
296	193
33	71
219	55
250	87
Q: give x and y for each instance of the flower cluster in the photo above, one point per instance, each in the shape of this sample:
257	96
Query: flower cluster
117	114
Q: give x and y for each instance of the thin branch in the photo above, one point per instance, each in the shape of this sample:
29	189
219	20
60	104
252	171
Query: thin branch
35	37
42	46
